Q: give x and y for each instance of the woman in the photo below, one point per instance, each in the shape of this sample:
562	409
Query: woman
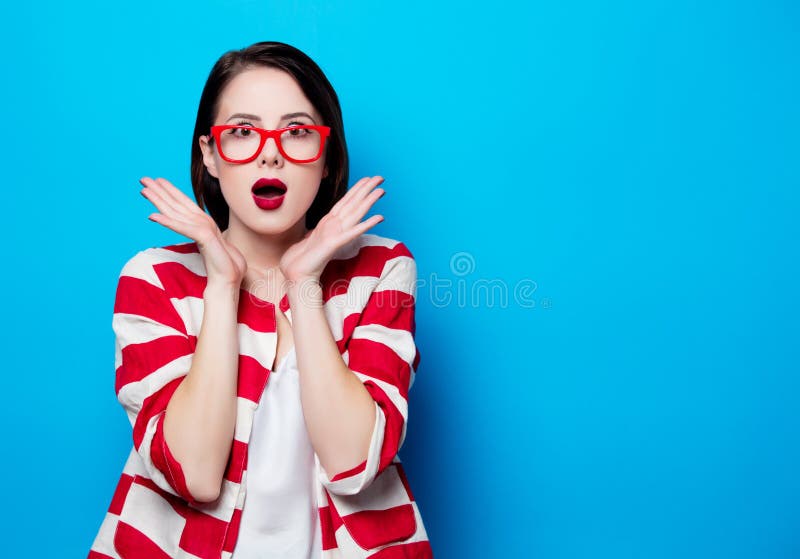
265	365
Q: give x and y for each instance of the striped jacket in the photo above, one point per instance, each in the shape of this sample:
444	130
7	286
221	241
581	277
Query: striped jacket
369	293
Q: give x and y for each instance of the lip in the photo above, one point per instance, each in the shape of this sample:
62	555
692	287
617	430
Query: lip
268	203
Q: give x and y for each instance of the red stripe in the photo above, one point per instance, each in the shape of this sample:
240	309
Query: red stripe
140	360
377	360
236	462
402	474
372	528
185	248
351	472
152	406
391	308
326	528
414	550
166	462
179	281
96	555
256	313
203	535
132	544
136	296
233	531
120	493
369	261
252	378
394	425
348	325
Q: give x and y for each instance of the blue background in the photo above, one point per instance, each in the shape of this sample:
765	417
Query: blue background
634	168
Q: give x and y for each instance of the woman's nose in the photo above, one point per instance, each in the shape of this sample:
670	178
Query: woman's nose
270	154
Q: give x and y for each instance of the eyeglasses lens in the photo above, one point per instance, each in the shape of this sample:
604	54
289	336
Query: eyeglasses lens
297	143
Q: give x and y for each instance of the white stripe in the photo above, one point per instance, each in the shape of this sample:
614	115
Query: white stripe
399	273
334	553
132	395
261	346
151	514
245	409
385	491
104	541
390	389
192	261
137	329
144	453
191	310
398	340
223	507
140	266
396	398
185	555
352	248
133	466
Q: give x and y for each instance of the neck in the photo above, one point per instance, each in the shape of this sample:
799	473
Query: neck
262	251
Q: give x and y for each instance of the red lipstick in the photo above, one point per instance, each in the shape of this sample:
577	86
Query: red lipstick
268	194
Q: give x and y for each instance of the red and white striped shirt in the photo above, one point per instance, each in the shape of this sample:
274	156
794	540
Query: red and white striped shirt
369	293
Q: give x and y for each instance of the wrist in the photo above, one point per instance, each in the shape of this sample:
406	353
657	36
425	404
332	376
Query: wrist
221	289
305	291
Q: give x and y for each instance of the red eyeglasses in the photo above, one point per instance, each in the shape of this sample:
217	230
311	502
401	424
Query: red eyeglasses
238	143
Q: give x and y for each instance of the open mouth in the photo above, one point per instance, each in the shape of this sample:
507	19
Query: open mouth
269	188
269	192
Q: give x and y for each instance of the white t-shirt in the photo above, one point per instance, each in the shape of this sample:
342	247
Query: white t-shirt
280	519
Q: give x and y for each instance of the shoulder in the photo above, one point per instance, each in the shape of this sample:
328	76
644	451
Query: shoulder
377	250
153	264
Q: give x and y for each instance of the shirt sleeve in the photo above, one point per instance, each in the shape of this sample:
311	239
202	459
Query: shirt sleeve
153	354
383	354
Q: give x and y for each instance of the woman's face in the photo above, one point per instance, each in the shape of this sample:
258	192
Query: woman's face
266	98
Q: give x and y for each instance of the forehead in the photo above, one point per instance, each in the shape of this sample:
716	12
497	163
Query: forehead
266	92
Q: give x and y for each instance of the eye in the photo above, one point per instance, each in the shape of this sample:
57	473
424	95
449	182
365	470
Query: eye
298	129
242	131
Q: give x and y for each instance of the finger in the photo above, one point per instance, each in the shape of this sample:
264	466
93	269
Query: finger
164	192
157	199
364	189
350	212
347	195
357	212
360	228
184	228
178	196
163	202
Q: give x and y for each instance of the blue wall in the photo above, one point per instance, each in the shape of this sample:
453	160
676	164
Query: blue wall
625	175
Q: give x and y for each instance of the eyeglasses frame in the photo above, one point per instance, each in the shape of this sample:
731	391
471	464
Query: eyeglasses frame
324	132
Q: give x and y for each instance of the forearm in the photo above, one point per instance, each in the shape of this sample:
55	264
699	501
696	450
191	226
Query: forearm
339	411
201	415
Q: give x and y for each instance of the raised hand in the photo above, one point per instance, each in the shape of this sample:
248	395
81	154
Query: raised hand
308	258
225	264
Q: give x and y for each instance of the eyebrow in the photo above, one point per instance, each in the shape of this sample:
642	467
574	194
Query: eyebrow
258	118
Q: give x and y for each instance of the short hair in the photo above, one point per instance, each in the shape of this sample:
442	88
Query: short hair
316	88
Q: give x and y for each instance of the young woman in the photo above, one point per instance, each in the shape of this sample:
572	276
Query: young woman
265	365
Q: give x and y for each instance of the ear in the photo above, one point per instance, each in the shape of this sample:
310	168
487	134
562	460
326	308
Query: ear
325	172
208	156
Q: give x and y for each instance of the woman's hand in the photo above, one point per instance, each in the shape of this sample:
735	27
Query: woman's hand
308	258
225	264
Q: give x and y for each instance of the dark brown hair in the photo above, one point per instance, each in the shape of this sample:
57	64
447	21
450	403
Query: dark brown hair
316	88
